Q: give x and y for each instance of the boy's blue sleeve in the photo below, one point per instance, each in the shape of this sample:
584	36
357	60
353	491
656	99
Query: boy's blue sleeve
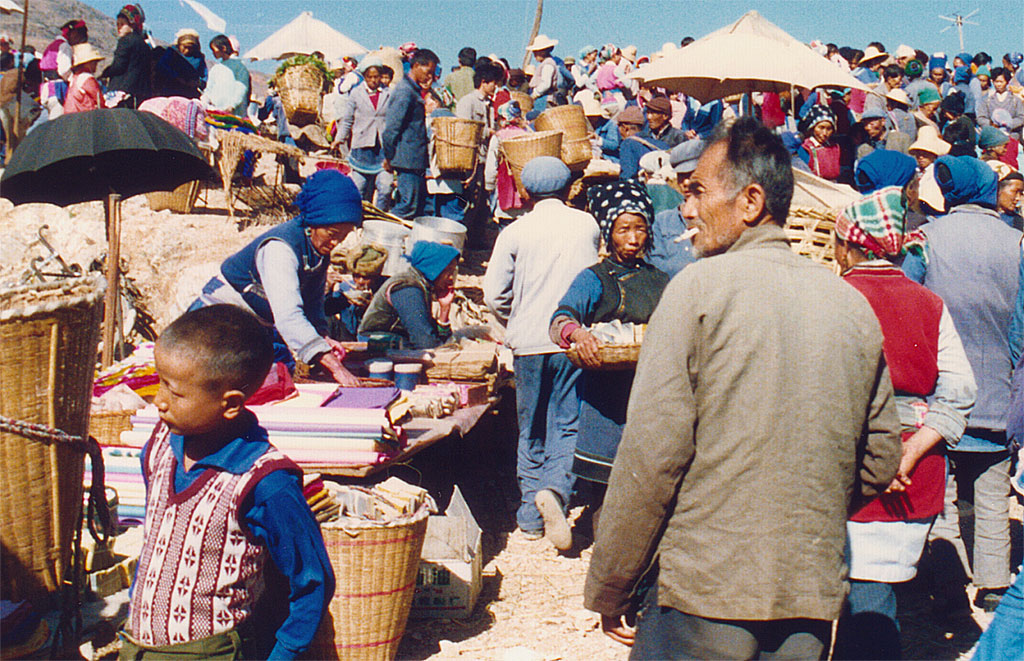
282	520
1017	320
914	267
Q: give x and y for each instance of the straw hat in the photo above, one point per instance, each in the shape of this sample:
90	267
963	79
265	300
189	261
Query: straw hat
929	192
1001	169
871	56
542	42
591	106
83	53
185	35
928	140
629	52
905	51
899	96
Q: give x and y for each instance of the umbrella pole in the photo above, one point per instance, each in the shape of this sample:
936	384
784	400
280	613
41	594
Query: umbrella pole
111	298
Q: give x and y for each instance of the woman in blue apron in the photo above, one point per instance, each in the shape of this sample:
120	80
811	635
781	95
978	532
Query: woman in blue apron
281	276
621	286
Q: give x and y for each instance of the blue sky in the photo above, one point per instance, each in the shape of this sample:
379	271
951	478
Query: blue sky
502	26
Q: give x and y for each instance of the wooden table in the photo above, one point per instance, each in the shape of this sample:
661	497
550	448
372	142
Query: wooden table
422	433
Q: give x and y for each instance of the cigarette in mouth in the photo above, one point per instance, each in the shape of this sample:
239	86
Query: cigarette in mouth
688	234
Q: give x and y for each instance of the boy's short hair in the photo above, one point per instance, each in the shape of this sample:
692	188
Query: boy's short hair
425	56
487	72
229	343
221	42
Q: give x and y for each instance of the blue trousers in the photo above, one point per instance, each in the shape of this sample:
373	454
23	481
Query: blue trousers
868	629
451	206
412	193
1006	632
548	409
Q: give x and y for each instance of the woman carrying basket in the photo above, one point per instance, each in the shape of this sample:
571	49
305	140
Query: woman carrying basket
622	286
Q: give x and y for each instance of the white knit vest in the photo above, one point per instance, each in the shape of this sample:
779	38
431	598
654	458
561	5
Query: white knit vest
199	573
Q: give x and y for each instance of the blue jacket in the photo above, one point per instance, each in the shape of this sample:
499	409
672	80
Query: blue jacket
405	128
240	271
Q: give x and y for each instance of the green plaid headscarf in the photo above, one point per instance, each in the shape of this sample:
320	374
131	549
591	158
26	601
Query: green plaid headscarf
876	224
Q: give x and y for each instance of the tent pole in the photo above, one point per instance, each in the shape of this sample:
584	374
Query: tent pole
16	124
111	298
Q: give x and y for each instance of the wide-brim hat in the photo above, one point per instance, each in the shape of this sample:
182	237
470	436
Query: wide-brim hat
872	56
928	140
542	42
186	34
899	96
629	52
905	51
591	106
312	132
928	190
83	53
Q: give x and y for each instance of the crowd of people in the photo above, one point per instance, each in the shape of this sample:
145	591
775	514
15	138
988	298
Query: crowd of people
791	444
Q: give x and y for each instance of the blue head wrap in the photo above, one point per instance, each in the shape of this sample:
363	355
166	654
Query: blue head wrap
966	180
961	74
965	57
937	61
882	168
431	259
329	198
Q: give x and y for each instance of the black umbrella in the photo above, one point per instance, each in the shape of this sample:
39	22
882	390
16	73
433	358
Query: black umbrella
102	154
88	155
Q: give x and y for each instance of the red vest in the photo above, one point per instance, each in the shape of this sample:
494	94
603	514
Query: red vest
199	571
909	316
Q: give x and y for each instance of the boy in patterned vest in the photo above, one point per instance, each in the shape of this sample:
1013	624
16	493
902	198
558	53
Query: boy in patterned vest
223	506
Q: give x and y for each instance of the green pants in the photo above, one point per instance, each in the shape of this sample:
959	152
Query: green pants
226	646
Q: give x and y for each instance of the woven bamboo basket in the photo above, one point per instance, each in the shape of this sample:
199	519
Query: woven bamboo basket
456	143
375	568
525	102
48	339
572	121
810	231
106	427
300	93
521	149
614	357
179	200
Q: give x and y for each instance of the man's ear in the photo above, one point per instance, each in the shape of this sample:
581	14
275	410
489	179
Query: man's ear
233	403
752	204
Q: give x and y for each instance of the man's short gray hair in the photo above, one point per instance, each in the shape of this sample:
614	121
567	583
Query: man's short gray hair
758	156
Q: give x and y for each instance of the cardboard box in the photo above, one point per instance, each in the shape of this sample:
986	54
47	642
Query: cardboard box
448	582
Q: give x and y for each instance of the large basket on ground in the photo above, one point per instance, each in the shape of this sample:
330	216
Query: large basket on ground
572	122
810	231
521	149
614	357
301	87
180	200
375	568
48	339
456	143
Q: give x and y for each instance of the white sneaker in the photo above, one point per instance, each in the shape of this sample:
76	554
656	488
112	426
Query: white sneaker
556	526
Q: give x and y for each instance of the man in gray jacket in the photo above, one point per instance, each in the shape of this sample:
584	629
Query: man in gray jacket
762	404
405	135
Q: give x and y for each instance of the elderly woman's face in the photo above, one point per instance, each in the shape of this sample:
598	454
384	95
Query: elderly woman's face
326	237
823	132
1010	195
938	75
628	237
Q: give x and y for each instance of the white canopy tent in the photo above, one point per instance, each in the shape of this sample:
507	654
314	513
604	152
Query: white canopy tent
303	36
751	55
10	7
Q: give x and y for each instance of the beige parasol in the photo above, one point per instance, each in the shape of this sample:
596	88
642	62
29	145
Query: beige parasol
303	36
751	55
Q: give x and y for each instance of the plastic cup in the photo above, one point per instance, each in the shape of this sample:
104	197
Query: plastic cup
381	369
407	375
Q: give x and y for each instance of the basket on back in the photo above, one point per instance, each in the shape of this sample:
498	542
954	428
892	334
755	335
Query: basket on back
456	144
810	231
375	568
572	122
300	88
48	339
524	99
521	149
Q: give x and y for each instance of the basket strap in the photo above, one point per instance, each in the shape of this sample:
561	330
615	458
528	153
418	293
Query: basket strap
97	490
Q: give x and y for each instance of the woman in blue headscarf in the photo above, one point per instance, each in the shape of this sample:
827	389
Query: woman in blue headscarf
884	167
401	308
282	274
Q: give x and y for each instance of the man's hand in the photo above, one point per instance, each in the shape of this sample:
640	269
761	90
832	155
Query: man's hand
587	346
619	629
915	447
